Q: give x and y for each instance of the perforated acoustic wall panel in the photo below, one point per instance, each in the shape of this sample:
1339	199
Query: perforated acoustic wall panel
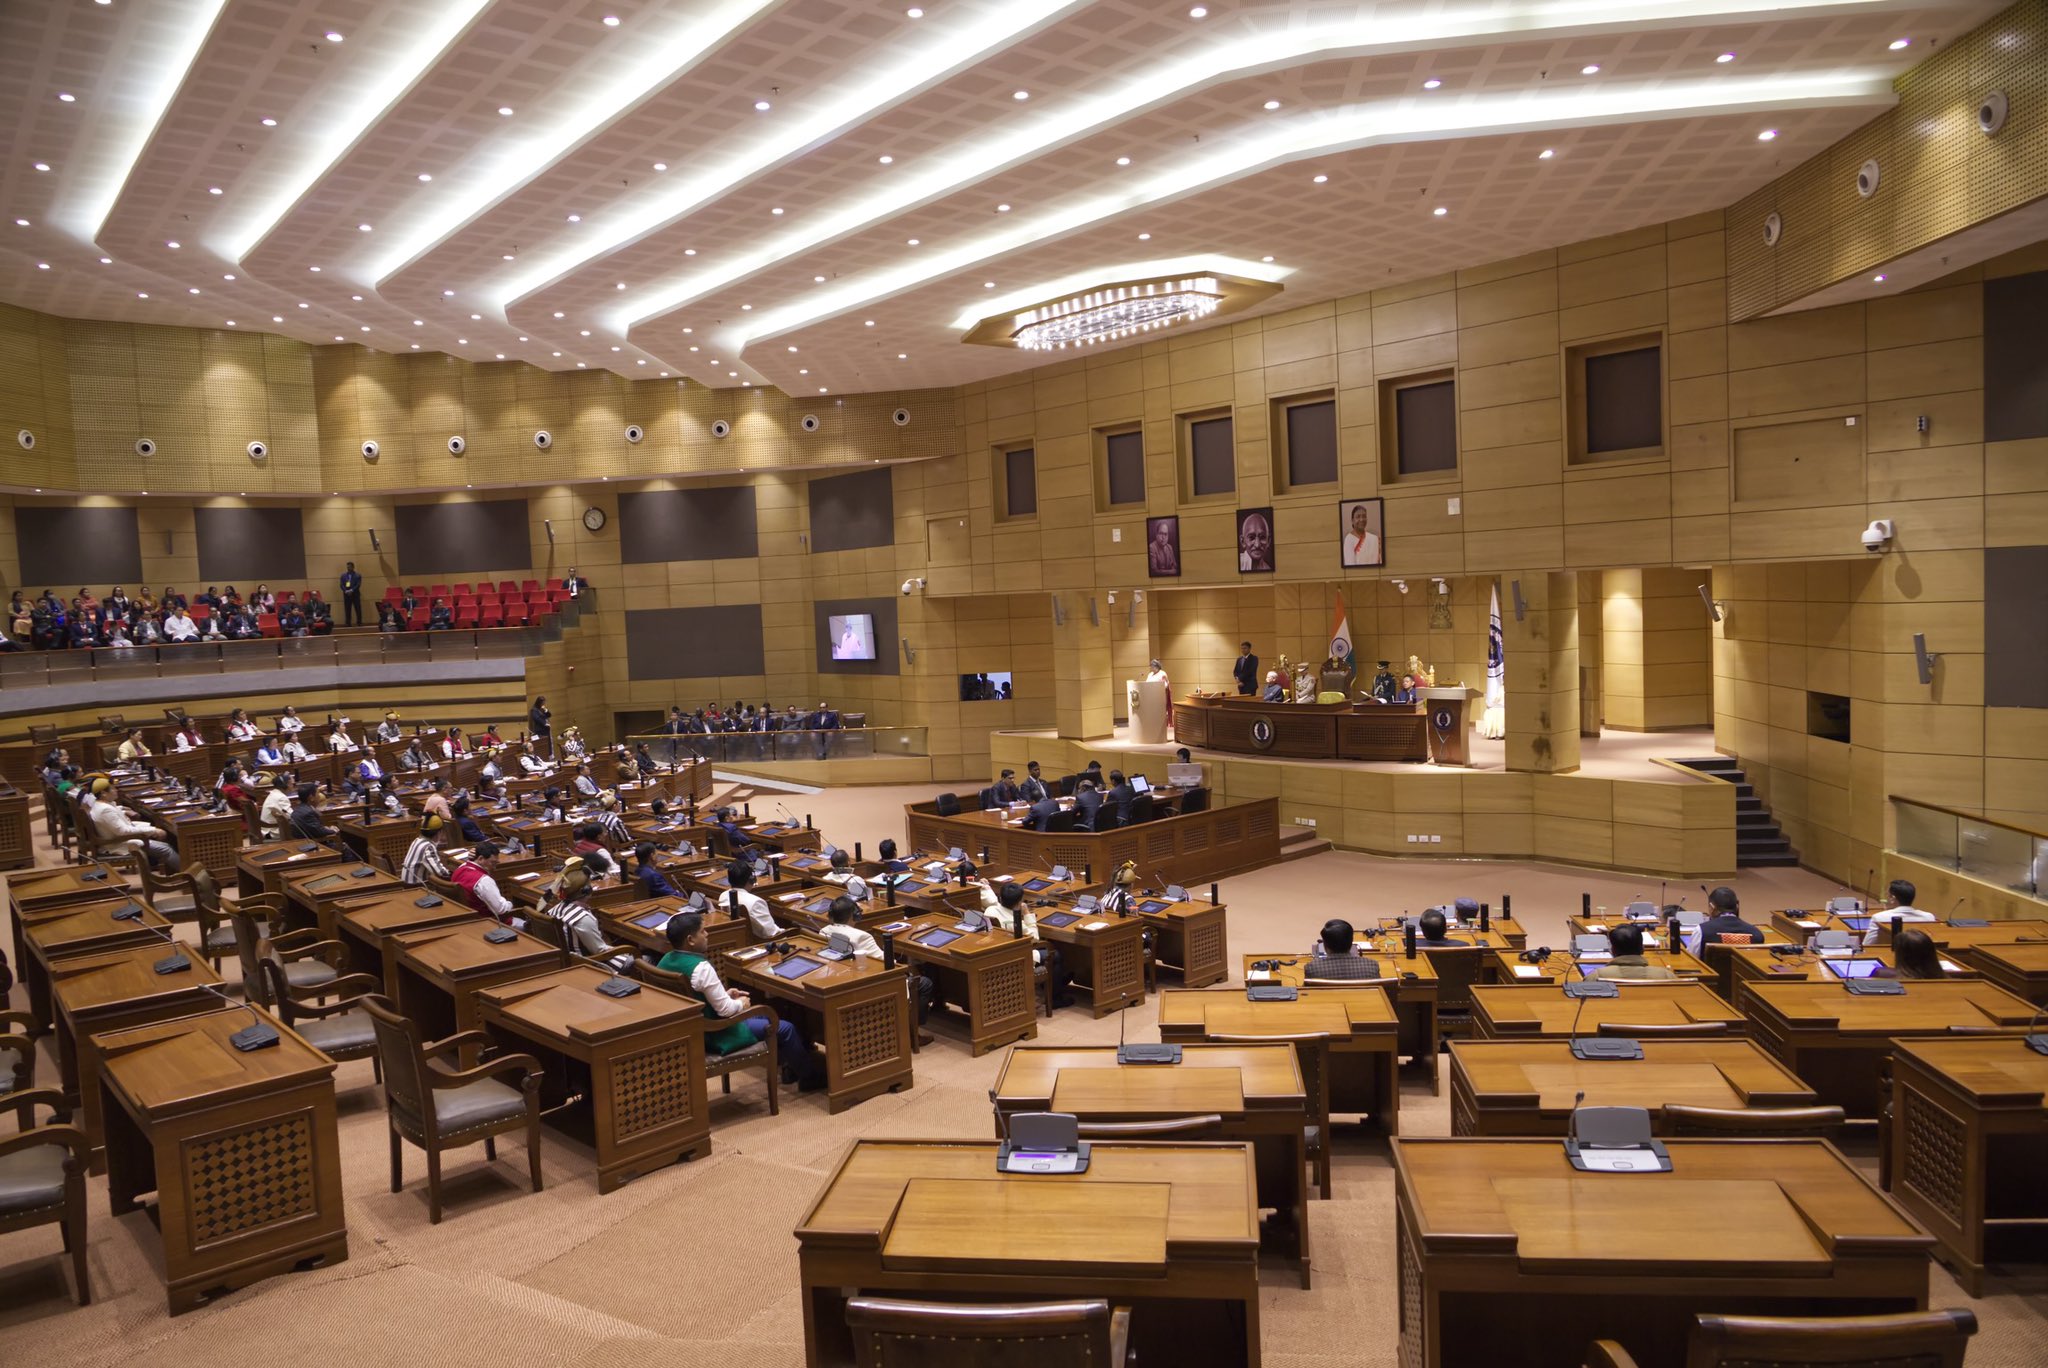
694	643
456	538
64	548
688	525
852	511
237	544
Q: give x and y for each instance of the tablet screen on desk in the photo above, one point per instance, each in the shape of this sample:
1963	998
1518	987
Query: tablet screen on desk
937	938
1854	923
796	967
1037	885
1852	968
1059	919
651	920
1154	905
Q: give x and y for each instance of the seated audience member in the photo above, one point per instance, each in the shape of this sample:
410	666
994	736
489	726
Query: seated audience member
1003	909
532	763
209	600
274	817
388	619
1041	812
306	822
590	845
368	771
728	822
551	804
1275	691
466	826
842	874
477	878
1406	693
292	621
267	752
381	802
117	826
289	723
188	737
1902	910
740	902
891	864
319	615
423	856
581	933
439	618
414	757
1087	805
1432	924
1335	954
117	635
1726	924
211	631
583	783
1005	790
689	955
338	739
240	729
388	729
1913	957
1033	788
845	923
1629	962
653	883
611	828
1117	802
230	788
82	634
295	752
263	601
134	748
454	744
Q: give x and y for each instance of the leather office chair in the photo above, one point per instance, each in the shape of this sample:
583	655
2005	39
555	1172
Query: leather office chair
341	1030
309	963
1684	1030
947	805
1923	1339
1819	1122
439	1108
1313	1050
1067	782
1194	800
987	798
1143	809
762	1054
42	1177
906	1334
1064	820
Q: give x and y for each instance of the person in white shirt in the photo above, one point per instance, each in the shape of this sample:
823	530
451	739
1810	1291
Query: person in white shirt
423	856
842	874
491	769
845	917
147	633
114	824
117	639
580	930
295	751
388	729
739	902
277	808
187	737
476	877
584	784
452	745
240	728
135	748
368	771
1901	910
289	724
532	763
179	627
266	753
1003	909
338	740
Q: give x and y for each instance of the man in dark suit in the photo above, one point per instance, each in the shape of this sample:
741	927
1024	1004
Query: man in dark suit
1433	924
1727	924
1006	787
1246	671
822	721
1034	786
351	597
1040	815
1118	799
1087	804
408	602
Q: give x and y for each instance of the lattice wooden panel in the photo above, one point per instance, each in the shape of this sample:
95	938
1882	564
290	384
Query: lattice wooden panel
1934	1160
242	1180
1413	1320
651	1089
1006	992
1120	964
868	1035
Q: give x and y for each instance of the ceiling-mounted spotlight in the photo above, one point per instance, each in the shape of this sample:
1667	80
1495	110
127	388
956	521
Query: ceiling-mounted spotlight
1441	586
1401	584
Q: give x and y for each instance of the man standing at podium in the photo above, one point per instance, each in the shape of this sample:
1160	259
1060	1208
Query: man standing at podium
1246	671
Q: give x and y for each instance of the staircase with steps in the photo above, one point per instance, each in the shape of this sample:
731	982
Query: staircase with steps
1758	841
1300	842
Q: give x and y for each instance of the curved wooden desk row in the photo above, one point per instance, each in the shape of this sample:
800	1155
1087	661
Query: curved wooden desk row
1189	849
1432	730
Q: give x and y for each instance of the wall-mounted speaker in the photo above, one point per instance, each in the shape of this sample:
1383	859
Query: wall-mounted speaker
1713	608
634	432
1867	177
375	545
908	654
1774	228
1094	614
549	525
543	439
901	417
811	423
1924	658
1059	613
145	446
1991	112
456	445
258	450
721	428
370	450
25	439
1521	604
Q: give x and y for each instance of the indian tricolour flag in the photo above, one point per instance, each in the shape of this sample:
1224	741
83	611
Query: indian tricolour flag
1340	635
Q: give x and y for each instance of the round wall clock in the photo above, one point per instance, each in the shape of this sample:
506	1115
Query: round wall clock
593	518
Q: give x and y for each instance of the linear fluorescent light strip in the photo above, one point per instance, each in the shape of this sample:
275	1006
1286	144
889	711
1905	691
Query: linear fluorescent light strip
524	160
172	63
1361	126
387	83
955	50
1236	59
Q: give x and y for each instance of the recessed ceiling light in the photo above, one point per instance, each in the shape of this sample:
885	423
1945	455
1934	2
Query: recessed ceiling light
664	375
611	21
745	307
1144	237
269	123
621	285
460	341
1896	45
304	305
734	374
1767	135
1431	84
314	269
1272	104
1199	12
554	353
1267	258
1879	278
277	318
575	218
762	105
694	349
364	328
523	339
815	280
914	12
586	332
211	189
777	211
885	159
476	318
42	265
506	257
615	349
174	247
1725	58
1320	179
334	37
426	176
689	330
362	227
229	277
445	294
913	242
191	289
44	166
1590	69
504	111
106	261
1123	161
661	166
67	97
231	322
689	251
1002	208
1546	154
986	285
140	295
902	356
419	322
804	371
639	362
867	323
21	223
1439	211
1020	94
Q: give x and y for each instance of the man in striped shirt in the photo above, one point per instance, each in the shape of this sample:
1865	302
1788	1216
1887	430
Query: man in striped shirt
423	856
609	823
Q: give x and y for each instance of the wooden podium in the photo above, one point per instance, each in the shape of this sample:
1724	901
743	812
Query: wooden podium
1443	711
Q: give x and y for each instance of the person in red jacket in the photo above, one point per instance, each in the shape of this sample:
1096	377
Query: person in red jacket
477	878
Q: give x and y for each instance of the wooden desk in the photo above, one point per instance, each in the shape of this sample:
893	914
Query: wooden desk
1256	1089
991	973
1190	849
1957	939
858	1010
112	991
80	928
1412	982
310	894
1836	1039
240	1148
205	840
1309	731
637	1062
1968	1132
2020	969
1753	964
783	836
262	868
363	922
17	844
390	838
1514	1012
1527	1087
1191	939
1169	1230
1361	1024
1104	954
31	892
1759	1227
433	975
1506	966
553	840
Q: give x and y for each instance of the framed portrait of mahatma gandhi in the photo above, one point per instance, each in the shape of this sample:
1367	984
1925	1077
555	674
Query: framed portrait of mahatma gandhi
1255	541
1162	547
1363	533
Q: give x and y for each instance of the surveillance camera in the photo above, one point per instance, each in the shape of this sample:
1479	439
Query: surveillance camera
457	445
258	450
1878	535
1402	585
370	450
543	439
908	585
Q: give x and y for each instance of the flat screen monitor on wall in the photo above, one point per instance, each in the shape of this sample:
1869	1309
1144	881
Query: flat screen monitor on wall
852	636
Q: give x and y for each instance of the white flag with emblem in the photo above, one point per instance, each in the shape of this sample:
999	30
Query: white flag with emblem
1493	722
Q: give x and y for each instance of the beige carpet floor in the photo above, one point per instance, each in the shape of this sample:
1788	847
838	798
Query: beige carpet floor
694	1265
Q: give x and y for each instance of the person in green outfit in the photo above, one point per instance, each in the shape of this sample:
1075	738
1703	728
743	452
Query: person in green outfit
688	956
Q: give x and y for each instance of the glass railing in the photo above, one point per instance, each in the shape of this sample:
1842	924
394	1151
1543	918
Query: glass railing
1993	852
754	748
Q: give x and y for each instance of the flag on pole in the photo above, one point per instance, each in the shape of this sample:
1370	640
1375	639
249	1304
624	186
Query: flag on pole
1493	722
1340	635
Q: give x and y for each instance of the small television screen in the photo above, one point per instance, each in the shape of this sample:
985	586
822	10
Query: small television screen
852	635
1059	919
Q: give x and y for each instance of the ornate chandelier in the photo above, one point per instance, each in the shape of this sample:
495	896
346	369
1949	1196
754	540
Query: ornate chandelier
1105	315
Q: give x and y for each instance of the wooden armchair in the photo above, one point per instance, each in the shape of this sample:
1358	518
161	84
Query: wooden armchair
191	897
440	1108
763	1053
1921	1339
1818	1122
341	1030
908	1334
18	1046
1313	1050
308	962
42	1177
